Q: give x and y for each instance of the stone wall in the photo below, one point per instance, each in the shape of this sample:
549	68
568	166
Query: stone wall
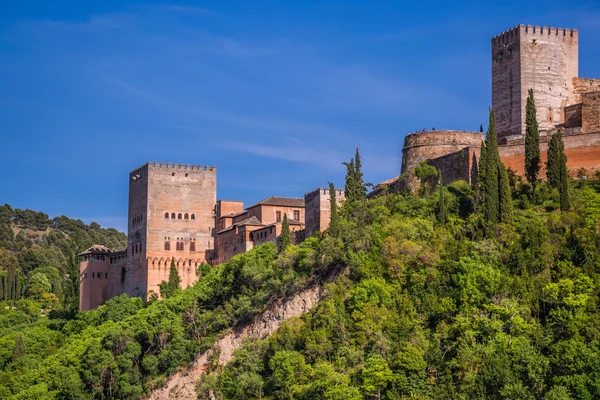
425	146
318	209
583	151
584	85
590	112
532	57
93	281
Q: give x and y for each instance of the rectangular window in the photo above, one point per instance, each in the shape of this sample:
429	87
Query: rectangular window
297	215
192	246
277	216
167	245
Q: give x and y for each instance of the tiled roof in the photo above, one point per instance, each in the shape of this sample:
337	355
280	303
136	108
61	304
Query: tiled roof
281	201
97	249
248	221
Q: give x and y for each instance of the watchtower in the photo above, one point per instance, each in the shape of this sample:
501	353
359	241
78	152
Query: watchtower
529	57
171	217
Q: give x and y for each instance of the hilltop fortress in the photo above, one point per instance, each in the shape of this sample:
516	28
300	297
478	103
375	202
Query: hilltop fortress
174	215
524	57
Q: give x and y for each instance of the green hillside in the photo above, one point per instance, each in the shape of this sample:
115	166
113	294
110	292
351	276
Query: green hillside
439	304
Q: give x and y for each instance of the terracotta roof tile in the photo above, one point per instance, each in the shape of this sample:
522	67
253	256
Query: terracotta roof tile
281	201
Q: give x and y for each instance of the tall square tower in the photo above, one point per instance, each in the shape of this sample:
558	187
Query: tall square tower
171	217
527	57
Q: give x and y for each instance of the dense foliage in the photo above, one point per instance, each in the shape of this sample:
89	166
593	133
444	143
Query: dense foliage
125	347
38	265
532	142
443	311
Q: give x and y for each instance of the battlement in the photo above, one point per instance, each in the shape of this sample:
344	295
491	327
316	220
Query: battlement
184	167
323	191
531	31
443	137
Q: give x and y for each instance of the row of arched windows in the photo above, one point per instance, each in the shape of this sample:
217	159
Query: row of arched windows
137	219
180	244
180	216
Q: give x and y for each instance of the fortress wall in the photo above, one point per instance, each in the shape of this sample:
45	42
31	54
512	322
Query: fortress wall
584	85
318	209
431	145
532	57
590	112
136	280
583	151
179	189
93	283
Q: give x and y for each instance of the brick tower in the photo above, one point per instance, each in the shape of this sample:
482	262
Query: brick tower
542	59
171	217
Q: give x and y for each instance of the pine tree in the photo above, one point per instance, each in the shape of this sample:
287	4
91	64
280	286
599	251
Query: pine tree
442	212
492	190
532	143
334	220
553	165
174	279
361	190
286	237
19	347
505	194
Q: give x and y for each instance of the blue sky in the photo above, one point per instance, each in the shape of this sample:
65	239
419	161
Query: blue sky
275	94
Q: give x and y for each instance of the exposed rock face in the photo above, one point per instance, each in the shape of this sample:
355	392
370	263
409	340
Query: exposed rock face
182	385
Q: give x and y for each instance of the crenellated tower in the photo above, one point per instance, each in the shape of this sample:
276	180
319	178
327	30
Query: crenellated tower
171	217
532	57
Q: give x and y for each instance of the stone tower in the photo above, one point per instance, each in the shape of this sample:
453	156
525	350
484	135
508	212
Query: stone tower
171	217
526	57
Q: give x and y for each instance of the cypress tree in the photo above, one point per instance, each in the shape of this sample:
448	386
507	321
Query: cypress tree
442	213
482	169
563	190
505	194
350	187
334	219
361	190
553	165
174	279
532	143
19	347
286	236
491	192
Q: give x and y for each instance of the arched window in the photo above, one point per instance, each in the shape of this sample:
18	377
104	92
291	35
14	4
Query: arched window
167	245
172	215
192	246
166	215
193	216
186	216
179	216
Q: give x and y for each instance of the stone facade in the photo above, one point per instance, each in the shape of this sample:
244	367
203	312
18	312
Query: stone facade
318	209
545	60
529	57
454	153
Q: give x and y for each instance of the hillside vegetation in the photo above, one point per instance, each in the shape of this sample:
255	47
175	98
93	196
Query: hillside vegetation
440	303
38	266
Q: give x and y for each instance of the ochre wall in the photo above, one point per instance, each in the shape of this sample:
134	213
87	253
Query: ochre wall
583	151
318	209
93	281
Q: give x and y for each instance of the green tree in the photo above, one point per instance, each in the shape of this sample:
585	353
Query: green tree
285	239
442	211
376	375
532	143
482	170
334	219
506	206
38	285
19	347
554	159
361	189
290	372
563	189
491	190
168	289
350	187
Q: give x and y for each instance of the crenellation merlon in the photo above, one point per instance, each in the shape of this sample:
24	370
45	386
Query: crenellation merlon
176	166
